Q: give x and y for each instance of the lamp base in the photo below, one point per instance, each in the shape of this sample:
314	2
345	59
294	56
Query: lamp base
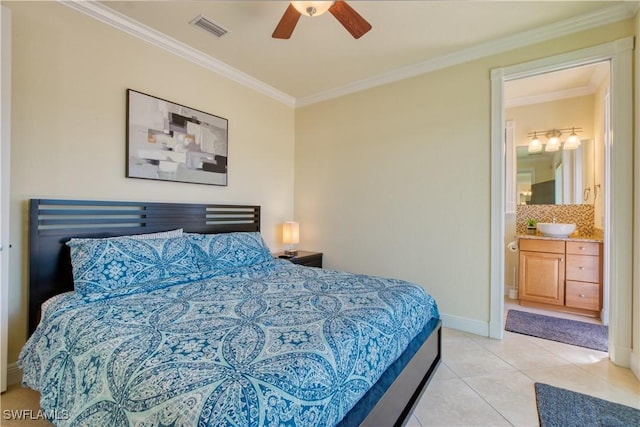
291	252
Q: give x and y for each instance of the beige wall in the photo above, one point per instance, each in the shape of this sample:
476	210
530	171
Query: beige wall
396	180
70	75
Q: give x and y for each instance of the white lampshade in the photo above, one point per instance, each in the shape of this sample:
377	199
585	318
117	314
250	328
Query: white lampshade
312	8
535	146
572	142
553	144
290	233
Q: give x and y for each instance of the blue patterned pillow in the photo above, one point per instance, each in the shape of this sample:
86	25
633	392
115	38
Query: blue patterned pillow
228	251
102	265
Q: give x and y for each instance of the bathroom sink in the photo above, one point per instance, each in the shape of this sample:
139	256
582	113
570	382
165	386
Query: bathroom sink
556	229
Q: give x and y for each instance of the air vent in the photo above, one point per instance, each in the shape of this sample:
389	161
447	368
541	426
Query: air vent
209	26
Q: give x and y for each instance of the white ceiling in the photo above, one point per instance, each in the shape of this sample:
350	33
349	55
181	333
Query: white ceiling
322	60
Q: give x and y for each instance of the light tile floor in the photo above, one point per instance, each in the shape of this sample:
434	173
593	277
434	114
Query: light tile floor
486	382
24	400
480	382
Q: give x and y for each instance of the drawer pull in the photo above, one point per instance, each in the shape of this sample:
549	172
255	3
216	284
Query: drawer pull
581	268
581	295
582	248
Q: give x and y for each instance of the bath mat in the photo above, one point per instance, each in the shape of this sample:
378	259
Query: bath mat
567	331
560	407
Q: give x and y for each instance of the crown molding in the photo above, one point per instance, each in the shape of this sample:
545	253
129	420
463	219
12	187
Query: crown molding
137	29
123	23
549	96
527	38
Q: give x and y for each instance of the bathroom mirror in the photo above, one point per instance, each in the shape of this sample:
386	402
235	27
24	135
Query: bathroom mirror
564	177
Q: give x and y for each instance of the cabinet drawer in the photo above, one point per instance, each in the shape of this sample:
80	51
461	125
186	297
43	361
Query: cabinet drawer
536	245
583	248
583	268
582	295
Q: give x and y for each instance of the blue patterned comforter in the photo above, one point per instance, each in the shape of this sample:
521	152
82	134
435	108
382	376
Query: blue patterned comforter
271	344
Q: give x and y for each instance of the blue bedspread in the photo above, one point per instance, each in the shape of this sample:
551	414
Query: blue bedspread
273	344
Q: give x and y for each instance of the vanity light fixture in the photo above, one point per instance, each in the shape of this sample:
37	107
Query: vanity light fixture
535	146
553	140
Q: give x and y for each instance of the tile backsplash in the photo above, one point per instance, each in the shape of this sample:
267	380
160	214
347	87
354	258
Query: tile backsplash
581	215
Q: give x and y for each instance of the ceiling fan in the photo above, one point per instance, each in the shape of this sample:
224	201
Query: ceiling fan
349	18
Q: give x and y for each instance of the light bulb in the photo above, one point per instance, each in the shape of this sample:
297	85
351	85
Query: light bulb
572	142
535	146
553	144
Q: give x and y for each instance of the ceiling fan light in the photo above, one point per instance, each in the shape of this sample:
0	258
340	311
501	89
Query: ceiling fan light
312	8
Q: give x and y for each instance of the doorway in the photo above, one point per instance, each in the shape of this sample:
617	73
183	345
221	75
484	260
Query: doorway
559	181
618	253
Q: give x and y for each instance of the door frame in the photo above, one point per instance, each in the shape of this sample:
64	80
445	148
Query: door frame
619	209
5	149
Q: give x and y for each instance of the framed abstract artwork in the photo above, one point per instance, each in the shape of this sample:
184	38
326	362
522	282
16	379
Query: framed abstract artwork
171	142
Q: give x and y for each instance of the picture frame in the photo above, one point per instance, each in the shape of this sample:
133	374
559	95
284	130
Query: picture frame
168	141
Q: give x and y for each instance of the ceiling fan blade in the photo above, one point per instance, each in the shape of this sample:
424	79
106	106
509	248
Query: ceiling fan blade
287	23
350	19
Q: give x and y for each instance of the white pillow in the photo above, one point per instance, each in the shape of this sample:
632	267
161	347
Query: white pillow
159	235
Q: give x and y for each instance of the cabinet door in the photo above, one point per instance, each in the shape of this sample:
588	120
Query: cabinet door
542	277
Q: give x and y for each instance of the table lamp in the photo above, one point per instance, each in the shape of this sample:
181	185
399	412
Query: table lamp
290	236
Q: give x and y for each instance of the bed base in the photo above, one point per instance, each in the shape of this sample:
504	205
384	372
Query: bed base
397	404
53	222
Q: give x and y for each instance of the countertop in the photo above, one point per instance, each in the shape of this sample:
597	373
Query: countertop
571	238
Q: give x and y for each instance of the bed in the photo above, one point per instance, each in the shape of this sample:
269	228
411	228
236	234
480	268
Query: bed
216	332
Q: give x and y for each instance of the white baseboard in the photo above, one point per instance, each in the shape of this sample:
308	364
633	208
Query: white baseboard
619	355
464	324
14	374
635	363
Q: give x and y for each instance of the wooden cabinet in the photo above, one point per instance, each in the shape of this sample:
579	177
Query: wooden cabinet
561	275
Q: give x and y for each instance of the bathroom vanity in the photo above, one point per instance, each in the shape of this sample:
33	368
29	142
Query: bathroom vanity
563	274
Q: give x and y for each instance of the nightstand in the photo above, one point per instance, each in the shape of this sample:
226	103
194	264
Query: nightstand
306	258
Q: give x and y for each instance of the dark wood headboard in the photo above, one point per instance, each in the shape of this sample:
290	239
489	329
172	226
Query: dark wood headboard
53	222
